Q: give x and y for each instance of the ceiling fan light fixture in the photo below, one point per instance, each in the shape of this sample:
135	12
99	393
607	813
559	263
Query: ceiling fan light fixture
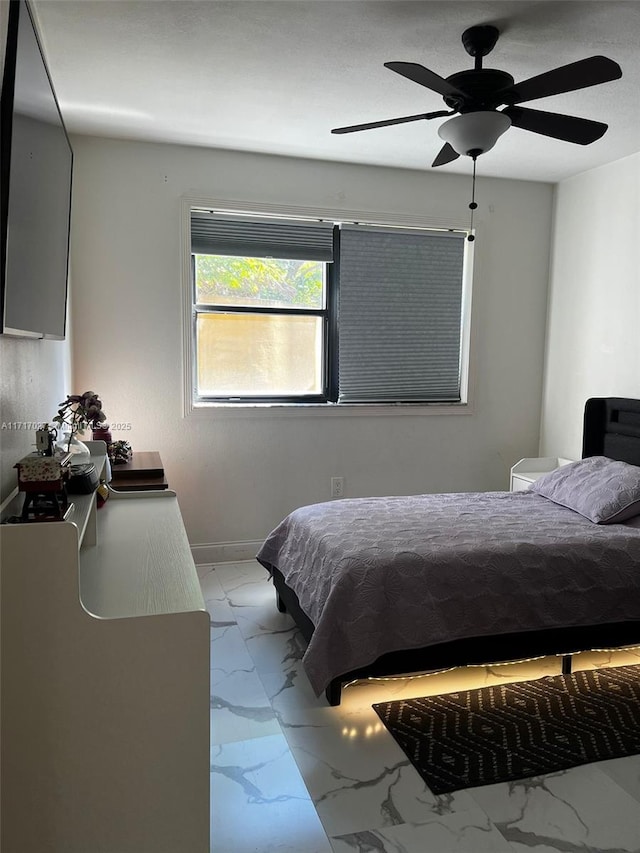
474	133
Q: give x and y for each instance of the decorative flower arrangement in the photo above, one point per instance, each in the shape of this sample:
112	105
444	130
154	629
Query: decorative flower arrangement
80	411
119	452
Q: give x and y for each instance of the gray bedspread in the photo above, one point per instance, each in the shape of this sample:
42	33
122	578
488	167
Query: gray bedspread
376	575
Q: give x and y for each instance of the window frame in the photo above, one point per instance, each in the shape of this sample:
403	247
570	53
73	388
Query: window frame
328	342
329	407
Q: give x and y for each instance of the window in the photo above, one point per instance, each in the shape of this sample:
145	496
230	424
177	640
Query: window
400	315
294	311
261	308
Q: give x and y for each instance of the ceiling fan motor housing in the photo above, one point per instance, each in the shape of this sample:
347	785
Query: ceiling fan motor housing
480	89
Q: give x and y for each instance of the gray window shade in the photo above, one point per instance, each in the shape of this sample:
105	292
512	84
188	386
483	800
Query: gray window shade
400	304
261	238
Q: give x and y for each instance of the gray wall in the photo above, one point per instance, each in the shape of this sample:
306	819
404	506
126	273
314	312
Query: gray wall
593	342
238	473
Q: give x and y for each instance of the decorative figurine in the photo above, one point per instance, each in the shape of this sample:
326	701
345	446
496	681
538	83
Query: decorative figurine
45	438
43	480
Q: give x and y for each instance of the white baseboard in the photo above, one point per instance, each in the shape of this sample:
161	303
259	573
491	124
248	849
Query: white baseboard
224	552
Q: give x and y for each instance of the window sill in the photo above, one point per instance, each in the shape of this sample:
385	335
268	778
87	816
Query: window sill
262	410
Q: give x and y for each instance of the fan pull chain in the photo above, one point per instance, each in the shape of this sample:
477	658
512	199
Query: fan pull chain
472	205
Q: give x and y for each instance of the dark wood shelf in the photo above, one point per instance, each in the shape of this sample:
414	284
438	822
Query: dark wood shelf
143	472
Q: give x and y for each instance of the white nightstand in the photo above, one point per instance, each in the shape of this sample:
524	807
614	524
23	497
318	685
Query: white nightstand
527	470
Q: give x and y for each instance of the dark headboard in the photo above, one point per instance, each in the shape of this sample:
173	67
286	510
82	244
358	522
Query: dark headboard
612	428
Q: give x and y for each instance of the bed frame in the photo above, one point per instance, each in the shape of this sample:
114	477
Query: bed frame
611	428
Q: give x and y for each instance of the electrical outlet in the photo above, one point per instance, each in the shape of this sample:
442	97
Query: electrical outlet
337	487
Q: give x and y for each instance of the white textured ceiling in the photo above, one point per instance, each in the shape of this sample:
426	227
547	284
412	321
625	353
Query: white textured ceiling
275	76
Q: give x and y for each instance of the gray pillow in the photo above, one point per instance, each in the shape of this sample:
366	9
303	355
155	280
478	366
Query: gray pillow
603	490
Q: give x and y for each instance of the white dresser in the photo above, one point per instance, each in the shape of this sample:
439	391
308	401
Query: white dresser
527	470
105	680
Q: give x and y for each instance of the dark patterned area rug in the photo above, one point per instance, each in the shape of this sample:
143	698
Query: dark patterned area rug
514	731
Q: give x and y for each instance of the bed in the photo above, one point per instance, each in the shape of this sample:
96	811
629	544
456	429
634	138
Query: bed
397	585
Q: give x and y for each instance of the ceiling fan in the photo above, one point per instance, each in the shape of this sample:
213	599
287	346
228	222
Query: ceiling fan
477	93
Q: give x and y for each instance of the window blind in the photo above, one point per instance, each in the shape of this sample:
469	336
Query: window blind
261	238
400	304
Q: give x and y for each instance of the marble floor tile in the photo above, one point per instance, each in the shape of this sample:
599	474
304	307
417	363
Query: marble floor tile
229	652
210	585
259	802
278	651
574	810
253	594
261	618
204	569
356	774
625	772
468	832
253	604
240	709
289	689
234	576
221	614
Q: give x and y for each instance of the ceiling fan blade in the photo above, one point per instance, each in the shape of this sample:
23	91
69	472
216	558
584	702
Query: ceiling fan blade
567	78
420	74
388	121
446	155
568	128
